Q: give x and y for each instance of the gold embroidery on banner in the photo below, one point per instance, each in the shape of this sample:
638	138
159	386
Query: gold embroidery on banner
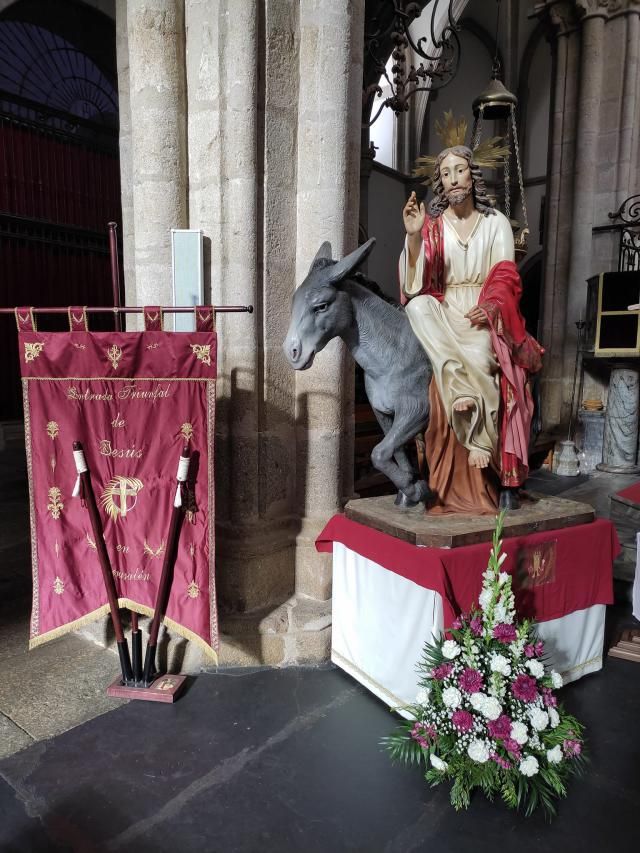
148	550
202	352
193	590
186	430
153	346
91	543
204	318
114	498
24	318
118	422
55	505
78	346
53	430
58	586
32	351
152	318
114	354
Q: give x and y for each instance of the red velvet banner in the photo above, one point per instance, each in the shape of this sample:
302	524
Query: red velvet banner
133	400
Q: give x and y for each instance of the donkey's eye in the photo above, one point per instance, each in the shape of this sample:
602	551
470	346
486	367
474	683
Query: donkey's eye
321	306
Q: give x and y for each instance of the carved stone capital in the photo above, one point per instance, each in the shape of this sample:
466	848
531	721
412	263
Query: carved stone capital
560	16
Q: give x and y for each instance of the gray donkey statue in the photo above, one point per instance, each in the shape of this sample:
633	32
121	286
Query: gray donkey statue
330	303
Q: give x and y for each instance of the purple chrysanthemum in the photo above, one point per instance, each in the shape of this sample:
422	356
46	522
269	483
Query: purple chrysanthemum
422	733
524	688
500	729
572	748
476	626
462	720
441	672
501	762
548	698
512	747
470	680
504	633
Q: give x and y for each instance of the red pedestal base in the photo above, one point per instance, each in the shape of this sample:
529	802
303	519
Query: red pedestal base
166	688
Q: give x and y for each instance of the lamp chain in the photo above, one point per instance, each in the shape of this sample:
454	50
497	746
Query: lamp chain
507	178
519	165
477	128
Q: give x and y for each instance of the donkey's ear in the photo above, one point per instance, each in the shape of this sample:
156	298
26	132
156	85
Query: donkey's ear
347	265
323	255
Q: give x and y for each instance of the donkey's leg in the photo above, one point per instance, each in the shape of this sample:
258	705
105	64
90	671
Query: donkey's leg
400	455
405	425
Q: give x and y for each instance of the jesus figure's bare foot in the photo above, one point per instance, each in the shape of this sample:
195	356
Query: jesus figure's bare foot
464	404
479	458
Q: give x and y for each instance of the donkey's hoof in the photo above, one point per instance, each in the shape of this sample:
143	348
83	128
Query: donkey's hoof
403	501
509	499
417	493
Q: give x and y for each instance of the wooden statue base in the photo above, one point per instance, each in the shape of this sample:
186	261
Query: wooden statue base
628	646
166	688
537	513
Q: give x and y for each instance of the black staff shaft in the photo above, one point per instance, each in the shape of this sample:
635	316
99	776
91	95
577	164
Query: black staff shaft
105	566
164	586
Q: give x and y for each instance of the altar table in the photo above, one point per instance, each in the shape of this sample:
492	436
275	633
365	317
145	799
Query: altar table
390	597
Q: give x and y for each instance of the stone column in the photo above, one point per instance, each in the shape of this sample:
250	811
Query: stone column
629	135
159	164
331	39
621	422
126	164
585	165
561	22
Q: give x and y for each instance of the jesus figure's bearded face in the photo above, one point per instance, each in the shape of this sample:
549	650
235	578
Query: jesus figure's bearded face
457	181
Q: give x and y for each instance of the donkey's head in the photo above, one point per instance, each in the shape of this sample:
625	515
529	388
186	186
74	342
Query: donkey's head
321	309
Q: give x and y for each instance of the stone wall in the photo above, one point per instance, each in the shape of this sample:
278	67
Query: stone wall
242	119
594	164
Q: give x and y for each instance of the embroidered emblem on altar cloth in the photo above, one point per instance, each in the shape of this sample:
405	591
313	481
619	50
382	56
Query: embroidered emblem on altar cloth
537	564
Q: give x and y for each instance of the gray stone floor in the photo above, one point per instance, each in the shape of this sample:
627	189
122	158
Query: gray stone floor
302	744
61	684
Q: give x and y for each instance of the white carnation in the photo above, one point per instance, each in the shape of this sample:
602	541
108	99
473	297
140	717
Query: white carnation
529	766
452	697
450	649
556	679
554	756
554	718
535	668
477	751
519	733
539	719
477	700
423	695
438	763
491	708
499	663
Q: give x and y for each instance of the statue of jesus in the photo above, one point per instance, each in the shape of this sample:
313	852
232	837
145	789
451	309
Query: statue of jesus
462	292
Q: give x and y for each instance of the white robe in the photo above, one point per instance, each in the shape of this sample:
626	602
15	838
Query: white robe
464	364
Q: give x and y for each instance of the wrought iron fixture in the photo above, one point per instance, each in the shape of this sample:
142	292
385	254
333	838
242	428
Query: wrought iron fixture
497	103
629	251
390	32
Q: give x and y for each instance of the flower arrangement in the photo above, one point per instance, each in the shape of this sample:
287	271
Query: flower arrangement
486	715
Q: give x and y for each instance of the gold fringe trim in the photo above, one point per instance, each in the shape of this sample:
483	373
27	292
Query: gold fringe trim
127	603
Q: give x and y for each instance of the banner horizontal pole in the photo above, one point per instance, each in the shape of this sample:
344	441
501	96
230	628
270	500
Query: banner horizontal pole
218	309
